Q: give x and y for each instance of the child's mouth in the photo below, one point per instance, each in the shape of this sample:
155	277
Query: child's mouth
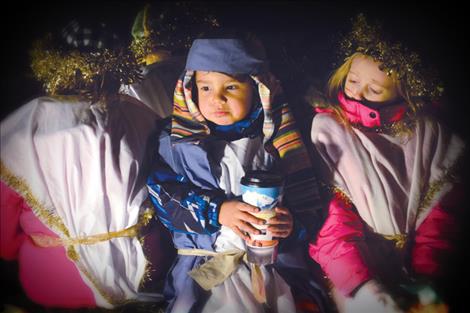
220	113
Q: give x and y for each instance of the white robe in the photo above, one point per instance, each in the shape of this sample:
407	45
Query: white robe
158	85
235	293
86	166
393	181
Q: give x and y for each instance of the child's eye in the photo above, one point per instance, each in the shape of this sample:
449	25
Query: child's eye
376	92
232	87
352	81
204	88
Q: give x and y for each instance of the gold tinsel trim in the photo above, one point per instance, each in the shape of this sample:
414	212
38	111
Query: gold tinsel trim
170	27
147	216
132	231
116	301
448	176
402	128
399	239
367	39
144	219
47	216
91	75
53	221
342	194
142	48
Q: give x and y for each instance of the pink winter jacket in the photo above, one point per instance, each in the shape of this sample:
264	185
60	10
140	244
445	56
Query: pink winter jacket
339	243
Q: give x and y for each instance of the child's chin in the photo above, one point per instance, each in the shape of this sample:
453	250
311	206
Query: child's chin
223	121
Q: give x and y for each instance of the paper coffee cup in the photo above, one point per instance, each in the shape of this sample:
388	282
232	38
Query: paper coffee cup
263	255
263	190
265	235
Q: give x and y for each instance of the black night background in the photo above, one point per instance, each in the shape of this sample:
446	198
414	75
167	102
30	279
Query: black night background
299	38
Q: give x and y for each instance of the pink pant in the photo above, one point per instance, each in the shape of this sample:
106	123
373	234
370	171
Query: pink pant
47	275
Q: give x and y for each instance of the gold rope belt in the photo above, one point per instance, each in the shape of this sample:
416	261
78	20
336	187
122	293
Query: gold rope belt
400	239
46	241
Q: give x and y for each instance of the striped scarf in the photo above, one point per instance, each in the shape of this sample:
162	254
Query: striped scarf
281	138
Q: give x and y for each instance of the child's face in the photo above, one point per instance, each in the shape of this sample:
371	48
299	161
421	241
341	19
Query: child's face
366	81
223	99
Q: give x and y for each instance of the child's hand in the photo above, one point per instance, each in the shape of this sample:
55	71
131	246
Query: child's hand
237	215
282	224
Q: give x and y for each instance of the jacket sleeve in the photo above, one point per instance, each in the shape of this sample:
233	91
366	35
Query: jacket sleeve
11	234
302	197
180	205
336	247
435	239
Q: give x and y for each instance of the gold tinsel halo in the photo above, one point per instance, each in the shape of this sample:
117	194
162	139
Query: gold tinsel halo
170	26
91	75
420	84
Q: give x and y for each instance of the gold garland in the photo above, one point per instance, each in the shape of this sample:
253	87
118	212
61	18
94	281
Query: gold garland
169	27
49	218
419	82
132	231
149	267
341	194
142	48
91	75
398	239
404	128
448	176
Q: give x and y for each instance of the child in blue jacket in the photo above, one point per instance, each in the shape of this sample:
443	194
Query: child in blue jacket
229	118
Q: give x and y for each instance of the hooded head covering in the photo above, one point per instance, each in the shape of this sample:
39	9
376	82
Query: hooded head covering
234	56
229	56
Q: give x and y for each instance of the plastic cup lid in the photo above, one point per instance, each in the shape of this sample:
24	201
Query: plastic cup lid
262	179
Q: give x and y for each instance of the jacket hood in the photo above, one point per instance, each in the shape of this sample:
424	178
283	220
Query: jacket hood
230	56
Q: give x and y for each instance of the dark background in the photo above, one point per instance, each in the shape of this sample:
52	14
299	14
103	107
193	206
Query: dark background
299	38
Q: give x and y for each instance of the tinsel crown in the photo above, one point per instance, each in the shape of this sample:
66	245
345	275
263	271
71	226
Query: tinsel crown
91	75
419	83
170	26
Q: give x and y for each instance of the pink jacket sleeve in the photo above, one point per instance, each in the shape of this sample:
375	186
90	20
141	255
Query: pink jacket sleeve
336	248
435	239
11	234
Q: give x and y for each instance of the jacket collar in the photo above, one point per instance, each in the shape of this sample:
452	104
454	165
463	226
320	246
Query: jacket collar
358	113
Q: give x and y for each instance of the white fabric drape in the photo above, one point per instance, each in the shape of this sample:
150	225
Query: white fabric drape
87	166
235	294
388	178
158	85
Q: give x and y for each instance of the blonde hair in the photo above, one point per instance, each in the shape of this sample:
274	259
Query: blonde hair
336	83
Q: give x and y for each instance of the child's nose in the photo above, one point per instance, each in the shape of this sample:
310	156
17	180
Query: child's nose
218	98
358	93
